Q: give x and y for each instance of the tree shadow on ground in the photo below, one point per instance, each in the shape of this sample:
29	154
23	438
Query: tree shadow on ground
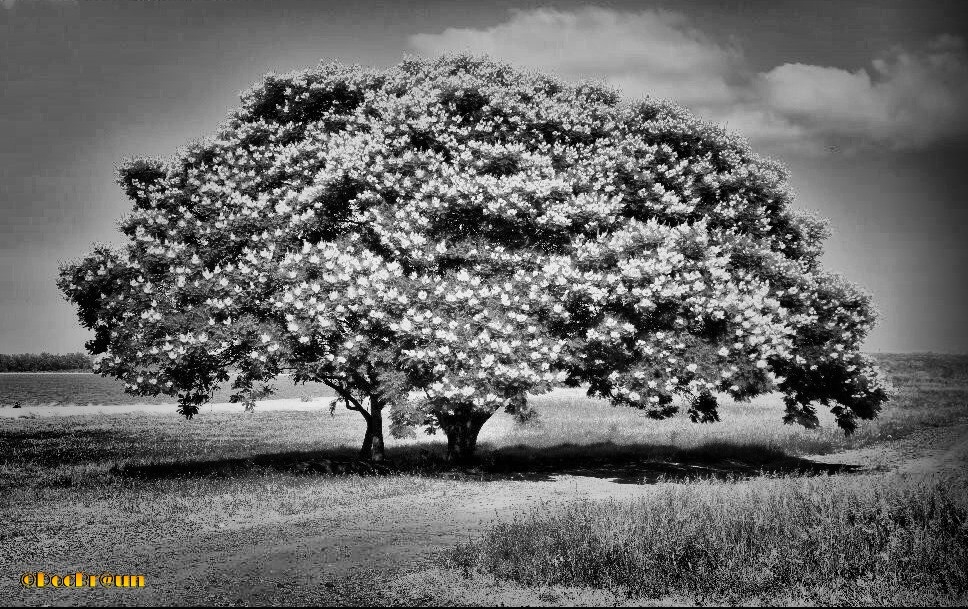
650	463
49	445
621	463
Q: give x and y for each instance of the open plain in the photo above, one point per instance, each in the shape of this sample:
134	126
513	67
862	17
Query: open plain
271	507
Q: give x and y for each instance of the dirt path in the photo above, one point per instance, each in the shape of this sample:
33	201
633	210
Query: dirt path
927	450
270	563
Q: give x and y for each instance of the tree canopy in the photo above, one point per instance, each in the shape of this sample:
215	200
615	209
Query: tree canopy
447	236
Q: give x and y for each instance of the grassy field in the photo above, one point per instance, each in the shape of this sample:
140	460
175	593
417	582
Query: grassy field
587	505
73	388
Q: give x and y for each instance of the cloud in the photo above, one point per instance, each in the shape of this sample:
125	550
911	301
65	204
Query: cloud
10	4
907	99
649	52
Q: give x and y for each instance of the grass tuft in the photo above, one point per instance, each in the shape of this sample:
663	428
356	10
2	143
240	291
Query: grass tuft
830	540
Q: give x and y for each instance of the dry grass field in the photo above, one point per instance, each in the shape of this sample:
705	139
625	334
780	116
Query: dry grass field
83	388
587	505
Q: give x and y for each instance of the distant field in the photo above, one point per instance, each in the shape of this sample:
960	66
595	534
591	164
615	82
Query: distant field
85	388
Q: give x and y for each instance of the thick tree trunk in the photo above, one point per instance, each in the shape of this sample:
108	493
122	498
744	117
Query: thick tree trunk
462	434
372	449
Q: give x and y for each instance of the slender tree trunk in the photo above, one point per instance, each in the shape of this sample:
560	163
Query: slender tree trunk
462	434
375	427
367	441
372	449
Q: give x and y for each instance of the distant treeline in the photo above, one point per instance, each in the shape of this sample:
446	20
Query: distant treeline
44	362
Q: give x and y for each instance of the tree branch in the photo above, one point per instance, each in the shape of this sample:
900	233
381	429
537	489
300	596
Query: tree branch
344	393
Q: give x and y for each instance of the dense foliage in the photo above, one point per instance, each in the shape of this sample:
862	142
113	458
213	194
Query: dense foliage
447	236
44	362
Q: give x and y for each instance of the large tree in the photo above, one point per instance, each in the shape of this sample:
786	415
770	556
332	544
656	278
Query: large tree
445	237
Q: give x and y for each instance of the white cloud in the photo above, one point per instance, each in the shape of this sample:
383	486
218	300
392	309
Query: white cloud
9	4
908	99
648	52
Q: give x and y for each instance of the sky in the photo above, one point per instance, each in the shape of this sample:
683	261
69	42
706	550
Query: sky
866	103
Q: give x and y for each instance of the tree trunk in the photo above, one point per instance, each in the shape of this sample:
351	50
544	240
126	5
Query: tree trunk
372	449
462	435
